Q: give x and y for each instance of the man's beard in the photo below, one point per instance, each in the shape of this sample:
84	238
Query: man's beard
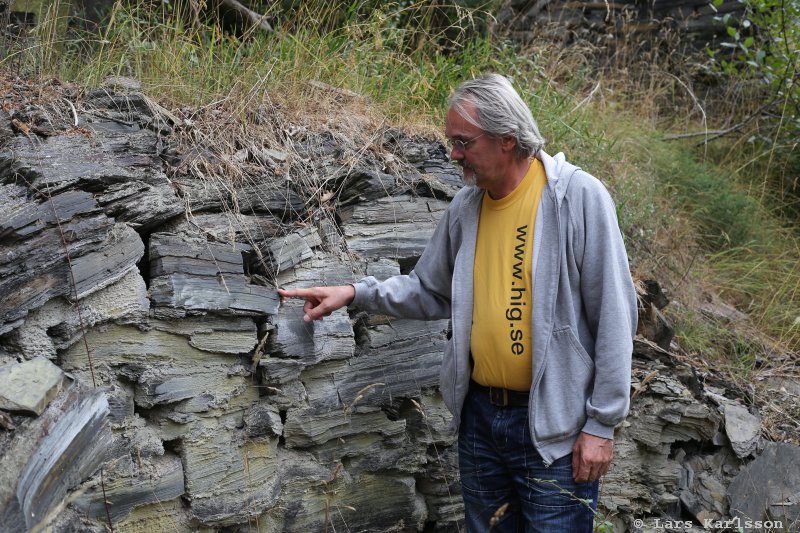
469	180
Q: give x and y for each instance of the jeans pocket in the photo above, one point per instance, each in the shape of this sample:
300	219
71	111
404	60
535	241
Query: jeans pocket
557	489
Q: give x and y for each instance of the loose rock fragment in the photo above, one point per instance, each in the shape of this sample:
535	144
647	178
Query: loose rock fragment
30	386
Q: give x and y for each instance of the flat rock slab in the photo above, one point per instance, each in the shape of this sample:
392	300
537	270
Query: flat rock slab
396	227
194	275
63	447
163	481
311	342
230	335
37	237
769	487
364	503
30	386
120	163
309	427
743	429
226	473
293	249
269	195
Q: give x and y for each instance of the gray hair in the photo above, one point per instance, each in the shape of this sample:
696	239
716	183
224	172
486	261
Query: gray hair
500	111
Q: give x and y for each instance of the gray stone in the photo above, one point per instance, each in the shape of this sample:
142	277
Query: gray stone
159	479
121	162
204	388
144	206
783	384
227	474
322	269
269	194
58	323
22	218
722	312
292	249
263	420
743	429
310	427
395	227
29	386
225	228
769	487
649	470
98	269
266	195
34	266
229	335
391	367
64	449
370	502
311	342
361	185
199	276
383	269
276	371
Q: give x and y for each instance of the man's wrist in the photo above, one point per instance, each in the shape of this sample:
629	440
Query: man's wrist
352	294
597	429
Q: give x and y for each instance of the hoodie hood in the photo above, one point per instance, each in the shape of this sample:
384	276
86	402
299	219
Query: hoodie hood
555	166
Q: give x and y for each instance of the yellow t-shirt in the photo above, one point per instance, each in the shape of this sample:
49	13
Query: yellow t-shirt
501	344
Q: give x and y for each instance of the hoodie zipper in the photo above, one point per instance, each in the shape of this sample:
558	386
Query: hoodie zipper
538	377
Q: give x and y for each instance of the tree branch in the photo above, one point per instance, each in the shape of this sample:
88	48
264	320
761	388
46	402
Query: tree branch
711	135
248	14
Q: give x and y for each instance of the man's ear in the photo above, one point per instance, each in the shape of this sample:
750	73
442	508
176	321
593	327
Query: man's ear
508	143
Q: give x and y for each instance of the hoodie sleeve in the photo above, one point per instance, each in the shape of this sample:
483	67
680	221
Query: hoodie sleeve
425	292
609	300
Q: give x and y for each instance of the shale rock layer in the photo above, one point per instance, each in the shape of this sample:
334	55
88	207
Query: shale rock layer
151	378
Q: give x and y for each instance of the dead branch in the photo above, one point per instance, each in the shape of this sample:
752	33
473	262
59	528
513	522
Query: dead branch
248	14
715	134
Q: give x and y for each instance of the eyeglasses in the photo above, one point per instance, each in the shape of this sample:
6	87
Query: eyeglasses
460	145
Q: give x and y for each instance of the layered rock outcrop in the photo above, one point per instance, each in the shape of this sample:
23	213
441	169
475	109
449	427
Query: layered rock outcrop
151	380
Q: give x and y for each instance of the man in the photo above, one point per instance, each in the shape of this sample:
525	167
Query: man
528	263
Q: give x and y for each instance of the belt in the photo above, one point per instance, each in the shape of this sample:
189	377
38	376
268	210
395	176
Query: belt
501	397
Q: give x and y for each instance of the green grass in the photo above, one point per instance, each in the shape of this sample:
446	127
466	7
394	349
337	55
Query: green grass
763	279
720	345
407	61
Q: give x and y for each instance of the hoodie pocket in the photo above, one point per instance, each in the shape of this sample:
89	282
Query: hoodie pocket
447	376
565	386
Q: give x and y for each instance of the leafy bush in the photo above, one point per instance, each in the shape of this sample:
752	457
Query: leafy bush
764	47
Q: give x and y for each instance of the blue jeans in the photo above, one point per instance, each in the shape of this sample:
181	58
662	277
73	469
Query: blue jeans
499	465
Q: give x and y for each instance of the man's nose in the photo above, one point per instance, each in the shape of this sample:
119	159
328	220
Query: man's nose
456	154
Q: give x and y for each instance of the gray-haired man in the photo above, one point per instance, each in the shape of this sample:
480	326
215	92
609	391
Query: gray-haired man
529	264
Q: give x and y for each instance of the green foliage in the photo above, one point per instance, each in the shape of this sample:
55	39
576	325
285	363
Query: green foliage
725	214
764	46
764	280
402	54
721	345
602	523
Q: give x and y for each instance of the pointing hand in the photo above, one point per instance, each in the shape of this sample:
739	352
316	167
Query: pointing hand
321	301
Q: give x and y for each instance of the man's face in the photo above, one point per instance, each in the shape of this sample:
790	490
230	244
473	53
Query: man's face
482	158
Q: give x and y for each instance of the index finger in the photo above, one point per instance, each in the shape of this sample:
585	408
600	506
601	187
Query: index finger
294	293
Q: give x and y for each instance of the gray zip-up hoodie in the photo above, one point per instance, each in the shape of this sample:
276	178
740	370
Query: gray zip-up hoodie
584	306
